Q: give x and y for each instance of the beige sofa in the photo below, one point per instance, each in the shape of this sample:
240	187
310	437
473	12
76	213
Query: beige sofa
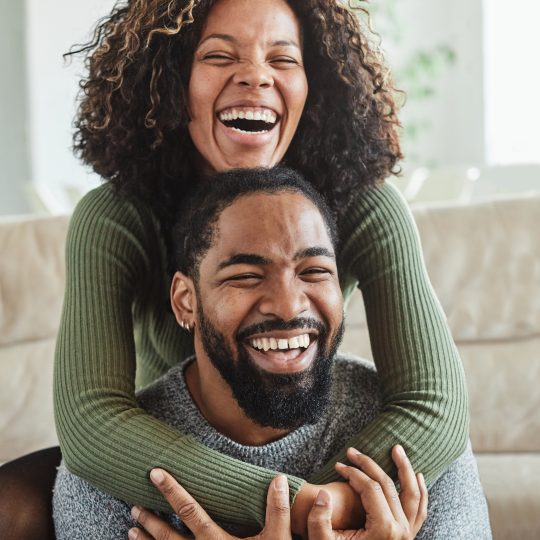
484	262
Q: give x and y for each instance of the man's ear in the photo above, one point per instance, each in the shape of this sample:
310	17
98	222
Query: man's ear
183	300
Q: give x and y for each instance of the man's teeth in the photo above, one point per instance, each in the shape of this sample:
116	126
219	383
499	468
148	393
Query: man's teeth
234	114
266	344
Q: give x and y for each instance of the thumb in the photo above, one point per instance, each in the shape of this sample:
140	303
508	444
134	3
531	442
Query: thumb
278	511
320	518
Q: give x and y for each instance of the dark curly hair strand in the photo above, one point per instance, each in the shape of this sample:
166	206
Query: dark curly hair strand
131	126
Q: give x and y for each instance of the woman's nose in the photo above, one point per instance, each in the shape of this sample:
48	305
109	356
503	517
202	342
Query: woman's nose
254	75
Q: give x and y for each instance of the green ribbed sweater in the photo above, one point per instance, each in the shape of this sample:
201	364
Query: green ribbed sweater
117	332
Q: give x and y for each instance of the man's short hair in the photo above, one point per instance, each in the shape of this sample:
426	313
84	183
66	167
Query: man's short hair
195	229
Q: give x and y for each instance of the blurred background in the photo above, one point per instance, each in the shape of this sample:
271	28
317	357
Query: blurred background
469	69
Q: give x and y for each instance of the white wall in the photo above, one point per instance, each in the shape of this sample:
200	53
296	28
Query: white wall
456	137
14	162
52	28
456	114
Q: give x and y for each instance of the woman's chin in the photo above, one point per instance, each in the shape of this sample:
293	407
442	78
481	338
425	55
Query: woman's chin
261	159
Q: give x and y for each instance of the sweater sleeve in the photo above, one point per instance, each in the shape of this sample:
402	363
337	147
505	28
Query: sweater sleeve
104	436
422	380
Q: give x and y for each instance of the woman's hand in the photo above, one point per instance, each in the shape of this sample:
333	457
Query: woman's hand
389	515
278	523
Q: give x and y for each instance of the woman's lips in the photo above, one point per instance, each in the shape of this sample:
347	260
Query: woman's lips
246	138
284	361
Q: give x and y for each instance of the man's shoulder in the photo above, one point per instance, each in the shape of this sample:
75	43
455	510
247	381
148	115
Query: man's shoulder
355	380
457	507
167	395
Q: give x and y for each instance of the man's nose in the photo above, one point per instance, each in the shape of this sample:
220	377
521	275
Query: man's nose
255	75
285	301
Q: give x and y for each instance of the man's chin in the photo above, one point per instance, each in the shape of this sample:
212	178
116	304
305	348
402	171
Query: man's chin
283	362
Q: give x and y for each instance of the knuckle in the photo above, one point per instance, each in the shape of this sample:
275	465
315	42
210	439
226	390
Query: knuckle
387	529
317	518
406	533
390	487
374	486
413	494
397	531
188	511
281	508
165	534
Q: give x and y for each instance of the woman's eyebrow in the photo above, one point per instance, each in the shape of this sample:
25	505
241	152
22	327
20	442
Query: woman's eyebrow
224	37
232	39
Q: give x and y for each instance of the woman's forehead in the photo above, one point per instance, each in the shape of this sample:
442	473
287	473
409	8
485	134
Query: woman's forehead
244	21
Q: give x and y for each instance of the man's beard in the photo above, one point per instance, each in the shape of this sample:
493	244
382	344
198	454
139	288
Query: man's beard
283	401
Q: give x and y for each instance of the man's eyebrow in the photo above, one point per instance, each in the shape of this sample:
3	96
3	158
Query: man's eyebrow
232	39
243	258
315	251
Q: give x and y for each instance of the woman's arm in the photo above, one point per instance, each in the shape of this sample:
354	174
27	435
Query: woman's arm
104	436
422	379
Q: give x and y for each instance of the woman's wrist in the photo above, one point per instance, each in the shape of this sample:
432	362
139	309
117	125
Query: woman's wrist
347	512
302	505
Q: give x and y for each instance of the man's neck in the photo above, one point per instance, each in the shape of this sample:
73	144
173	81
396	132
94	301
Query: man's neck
216	402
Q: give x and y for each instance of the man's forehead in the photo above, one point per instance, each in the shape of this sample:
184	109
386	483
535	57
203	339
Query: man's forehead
282	224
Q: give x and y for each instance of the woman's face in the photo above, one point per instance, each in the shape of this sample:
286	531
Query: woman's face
248	86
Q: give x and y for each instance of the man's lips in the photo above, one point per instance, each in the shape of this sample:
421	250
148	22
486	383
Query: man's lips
283	361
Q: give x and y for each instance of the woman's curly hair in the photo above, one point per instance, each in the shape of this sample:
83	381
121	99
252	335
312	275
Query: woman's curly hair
131	127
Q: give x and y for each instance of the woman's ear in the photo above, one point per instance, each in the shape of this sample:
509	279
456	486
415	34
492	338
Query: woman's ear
183	300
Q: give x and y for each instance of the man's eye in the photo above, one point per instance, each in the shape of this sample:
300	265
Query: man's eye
317	272
244	277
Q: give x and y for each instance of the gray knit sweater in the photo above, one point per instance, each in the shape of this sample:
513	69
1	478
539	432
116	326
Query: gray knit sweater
457	507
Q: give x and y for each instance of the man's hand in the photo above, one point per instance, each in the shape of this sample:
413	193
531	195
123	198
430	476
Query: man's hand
389	515
278	523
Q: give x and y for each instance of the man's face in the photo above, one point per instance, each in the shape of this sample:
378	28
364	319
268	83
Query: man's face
269	307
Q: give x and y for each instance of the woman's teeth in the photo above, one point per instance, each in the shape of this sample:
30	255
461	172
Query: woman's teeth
248	120
244	114
265	344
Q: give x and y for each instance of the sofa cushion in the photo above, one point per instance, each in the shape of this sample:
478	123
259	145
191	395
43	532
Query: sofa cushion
31	292
31	278
510	483
26	407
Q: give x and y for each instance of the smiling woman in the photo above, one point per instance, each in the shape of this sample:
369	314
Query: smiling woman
180	89
248	86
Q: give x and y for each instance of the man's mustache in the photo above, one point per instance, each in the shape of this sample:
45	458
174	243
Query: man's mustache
299	323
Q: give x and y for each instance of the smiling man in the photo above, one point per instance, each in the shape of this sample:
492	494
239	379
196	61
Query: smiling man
257	283
268	315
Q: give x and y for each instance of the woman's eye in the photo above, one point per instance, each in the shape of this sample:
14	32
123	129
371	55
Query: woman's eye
218	57
284	60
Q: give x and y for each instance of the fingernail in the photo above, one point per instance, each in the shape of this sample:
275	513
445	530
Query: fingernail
157	476
422	479
135	512
340	465
321	499
354	451
133	534
401	451
281	483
